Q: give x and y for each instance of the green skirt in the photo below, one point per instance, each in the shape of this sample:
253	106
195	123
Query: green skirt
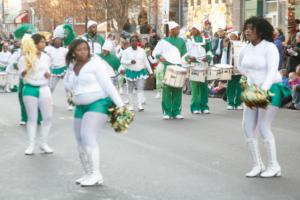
99	106
134	75
59	71
281	94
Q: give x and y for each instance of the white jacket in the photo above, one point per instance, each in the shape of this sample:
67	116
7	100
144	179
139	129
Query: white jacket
139	56
57	55
92	78
36	76
260	64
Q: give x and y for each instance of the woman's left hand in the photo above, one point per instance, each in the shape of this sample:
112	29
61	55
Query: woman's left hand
47	75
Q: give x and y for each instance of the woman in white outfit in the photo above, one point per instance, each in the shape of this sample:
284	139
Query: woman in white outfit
36	92
137	67
94	93
259	62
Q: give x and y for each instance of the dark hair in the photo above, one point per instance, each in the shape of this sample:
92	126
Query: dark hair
37	38
72	47
263	28
53	41
134	36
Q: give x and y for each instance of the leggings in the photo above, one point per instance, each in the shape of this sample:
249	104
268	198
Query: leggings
260	119
87	128
139	83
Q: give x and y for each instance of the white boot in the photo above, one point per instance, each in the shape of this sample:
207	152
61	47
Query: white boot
130	102
85	164
258	165
95	178
273	168
31	131
140	96
44	139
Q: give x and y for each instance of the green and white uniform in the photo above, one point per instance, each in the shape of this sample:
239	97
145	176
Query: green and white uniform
199	48
95	42
174	50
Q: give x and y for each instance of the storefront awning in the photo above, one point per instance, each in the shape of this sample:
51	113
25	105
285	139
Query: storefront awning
22	18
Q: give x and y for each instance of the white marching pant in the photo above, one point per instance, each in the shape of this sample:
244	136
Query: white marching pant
32	104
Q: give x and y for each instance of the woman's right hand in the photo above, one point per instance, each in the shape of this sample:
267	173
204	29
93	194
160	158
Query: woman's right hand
162	59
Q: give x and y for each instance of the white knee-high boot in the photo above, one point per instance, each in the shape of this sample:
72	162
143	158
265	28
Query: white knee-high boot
31	131
95	178
85	164
258	165
140	97
273	168
44	139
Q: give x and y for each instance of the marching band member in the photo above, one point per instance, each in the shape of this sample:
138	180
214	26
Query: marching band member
35	70
200	51
94	39
233	86
57	53
112	62
5	56
94	94
137	67
259	61
171	51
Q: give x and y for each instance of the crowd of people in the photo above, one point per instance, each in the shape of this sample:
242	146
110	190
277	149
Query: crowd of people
94	70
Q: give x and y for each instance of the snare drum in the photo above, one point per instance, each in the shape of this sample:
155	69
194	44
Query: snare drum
198	72
213	73
226	71
3	79
175	76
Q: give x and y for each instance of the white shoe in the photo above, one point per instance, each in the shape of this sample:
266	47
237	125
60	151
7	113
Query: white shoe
179	117
46	149
230	108
166	117
140	108
130	108
206	112
258	166
157	96
239	108
29	150
22	123
70	108
273	168
196	112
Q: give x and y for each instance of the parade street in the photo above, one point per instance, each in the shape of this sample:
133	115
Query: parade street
203	157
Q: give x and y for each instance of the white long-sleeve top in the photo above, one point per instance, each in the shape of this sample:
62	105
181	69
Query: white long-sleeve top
139	55
5	57
57	55
260	64
92	83
196	49
36	76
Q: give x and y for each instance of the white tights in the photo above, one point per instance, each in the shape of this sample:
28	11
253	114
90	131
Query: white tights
87	128
261	119
32	104
53	82
139	84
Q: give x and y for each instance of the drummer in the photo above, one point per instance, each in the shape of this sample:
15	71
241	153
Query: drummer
4	57
200	51
171	51
233	86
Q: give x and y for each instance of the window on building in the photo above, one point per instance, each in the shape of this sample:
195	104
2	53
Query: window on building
199	2
209	1
192	2
217	1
